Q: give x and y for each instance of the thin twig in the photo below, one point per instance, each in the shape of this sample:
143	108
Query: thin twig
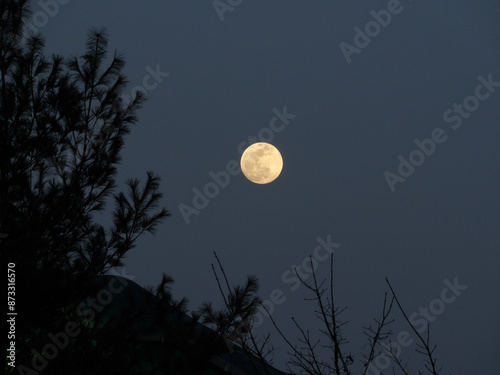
425	345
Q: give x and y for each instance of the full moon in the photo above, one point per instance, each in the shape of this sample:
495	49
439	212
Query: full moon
261	163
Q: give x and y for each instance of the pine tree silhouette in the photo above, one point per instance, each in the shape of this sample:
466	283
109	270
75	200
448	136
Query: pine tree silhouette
63	126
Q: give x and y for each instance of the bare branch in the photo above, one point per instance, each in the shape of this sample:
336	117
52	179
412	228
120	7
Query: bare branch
426	350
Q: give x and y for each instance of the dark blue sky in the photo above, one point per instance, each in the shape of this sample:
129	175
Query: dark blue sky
353	120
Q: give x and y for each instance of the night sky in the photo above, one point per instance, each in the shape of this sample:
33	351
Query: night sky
389	142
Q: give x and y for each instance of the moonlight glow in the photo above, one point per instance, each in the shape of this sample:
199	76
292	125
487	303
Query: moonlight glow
261	163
